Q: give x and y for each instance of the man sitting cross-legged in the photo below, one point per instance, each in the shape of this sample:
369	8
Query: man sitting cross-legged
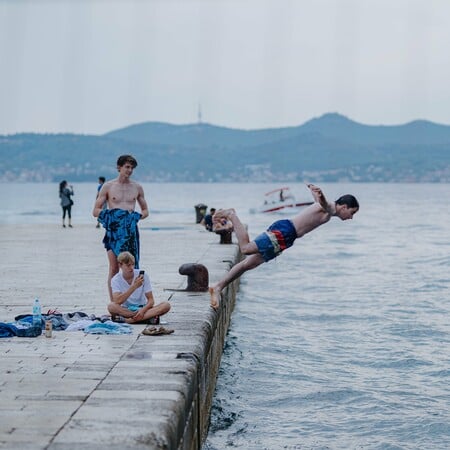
132	296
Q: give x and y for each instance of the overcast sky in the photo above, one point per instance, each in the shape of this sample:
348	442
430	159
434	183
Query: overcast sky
95	66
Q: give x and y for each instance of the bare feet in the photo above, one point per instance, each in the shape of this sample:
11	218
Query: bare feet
130	320
222	225
215	296
224	213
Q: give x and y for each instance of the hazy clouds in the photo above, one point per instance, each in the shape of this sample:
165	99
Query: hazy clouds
93	66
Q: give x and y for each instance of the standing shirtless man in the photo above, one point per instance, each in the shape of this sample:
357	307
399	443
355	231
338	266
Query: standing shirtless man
281	234
120	219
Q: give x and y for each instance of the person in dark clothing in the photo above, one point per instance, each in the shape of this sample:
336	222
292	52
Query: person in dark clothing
208	219
65	194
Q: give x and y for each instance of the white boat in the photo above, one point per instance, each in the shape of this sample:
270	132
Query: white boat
281	200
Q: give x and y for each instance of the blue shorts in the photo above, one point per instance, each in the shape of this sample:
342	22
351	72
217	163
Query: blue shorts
278	237
134	308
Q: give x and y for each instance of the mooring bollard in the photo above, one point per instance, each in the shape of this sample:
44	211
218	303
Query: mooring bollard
225	236
198	277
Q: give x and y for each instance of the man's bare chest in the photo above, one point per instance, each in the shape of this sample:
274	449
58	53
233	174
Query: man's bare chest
123	193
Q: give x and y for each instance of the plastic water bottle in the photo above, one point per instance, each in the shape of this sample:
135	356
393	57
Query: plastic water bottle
37	315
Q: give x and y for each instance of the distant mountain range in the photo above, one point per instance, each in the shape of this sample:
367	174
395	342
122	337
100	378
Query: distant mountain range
329	148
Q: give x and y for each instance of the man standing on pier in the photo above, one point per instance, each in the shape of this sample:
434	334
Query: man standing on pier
120	219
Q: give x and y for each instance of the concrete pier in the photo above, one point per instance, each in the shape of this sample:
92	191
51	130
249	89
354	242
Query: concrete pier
86	391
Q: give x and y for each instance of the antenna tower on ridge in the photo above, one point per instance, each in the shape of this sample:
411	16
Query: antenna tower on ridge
199	114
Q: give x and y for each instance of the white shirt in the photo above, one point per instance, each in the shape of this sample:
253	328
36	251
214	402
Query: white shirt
137	298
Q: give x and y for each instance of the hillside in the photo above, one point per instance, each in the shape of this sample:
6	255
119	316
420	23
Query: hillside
329	148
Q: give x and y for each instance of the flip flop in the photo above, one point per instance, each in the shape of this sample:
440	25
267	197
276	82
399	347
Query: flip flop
153	331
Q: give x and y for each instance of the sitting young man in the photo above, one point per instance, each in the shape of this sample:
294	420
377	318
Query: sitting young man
132	296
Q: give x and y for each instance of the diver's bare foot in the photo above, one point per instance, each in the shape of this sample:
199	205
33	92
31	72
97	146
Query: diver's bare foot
226	213
214	297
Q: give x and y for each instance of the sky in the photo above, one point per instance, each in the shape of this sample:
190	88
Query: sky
93	66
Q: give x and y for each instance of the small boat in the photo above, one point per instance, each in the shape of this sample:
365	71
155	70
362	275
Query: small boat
280	200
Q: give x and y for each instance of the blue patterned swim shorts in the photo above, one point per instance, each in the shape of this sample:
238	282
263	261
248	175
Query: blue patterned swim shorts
278	237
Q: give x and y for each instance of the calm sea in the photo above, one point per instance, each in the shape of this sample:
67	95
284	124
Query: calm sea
343	342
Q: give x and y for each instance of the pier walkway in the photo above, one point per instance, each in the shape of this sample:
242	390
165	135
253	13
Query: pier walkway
88	391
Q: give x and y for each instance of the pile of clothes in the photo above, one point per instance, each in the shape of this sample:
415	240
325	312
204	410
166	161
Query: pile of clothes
89	323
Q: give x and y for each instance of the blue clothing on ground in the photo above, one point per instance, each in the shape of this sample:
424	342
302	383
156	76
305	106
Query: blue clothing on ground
9	330
99	325
278	237
122	232
60	321
108	328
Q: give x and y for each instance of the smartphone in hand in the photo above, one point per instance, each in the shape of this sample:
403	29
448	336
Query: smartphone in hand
141	272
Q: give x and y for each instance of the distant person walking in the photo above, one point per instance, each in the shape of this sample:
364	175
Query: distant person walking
120	219
65	194
101	182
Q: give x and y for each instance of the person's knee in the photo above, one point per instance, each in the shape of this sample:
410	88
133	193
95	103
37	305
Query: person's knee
250	248
111	307
165	307
247	249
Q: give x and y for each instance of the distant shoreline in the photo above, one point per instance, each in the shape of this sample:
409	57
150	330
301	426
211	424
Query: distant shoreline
330	148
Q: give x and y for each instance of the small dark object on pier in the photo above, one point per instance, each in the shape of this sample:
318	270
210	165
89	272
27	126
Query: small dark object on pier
198	277
200	212
225	236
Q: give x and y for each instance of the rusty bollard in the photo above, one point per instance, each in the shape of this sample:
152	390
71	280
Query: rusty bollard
198	277
225	236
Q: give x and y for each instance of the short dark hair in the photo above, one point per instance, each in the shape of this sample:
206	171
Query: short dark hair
123	159
348	200
102	179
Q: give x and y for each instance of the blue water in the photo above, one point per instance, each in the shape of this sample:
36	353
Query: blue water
343	342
